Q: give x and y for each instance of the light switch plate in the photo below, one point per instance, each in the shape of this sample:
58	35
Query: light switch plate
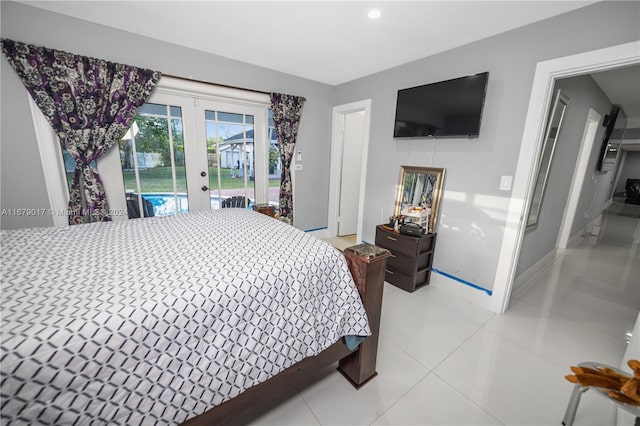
505	183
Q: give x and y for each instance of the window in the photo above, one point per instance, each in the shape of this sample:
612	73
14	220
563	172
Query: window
182	152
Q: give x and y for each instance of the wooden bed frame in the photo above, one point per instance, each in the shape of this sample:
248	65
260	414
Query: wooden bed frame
367	264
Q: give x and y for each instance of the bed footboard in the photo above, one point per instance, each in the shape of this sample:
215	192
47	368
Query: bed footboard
367	264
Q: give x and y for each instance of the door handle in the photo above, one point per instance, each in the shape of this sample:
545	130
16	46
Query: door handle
205	188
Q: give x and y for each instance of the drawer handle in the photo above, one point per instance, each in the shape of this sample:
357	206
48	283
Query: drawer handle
388	271
392	239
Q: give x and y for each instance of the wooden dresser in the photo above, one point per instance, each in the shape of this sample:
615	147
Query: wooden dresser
409	266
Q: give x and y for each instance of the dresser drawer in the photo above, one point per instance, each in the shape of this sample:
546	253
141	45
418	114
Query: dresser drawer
407	282
397	243
408	264
406	244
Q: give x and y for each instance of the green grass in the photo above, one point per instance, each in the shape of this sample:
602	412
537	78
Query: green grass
158	179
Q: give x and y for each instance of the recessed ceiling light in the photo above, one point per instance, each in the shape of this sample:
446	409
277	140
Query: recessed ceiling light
374	13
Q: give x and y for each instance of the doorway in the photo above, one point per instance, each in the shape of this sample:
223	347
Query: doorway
349	146
586	147
547	73
350	172
193	145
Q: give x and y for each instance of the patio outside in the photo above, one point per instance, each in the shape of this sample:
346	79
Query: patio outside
156	186
152	158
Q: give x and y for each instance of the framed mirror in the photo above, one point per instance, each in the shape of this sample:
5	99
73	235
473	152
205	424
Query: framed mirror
614	142
418	195
554	124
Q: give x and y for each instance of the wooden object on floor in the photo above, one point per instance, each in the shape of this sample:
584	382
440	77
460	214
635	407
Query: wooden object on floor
409	267
267	209
367	264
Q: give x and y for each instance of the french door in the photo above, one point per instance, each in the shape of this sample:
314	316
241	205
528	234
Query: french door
189	149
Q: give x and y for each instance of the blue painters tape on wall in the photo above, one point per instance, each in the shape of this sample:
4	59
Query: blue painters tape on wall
460	280
315	229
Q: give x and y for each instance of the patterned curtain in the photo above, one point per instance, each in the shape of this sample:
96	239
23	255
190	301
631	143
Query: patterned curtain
90	103
287	110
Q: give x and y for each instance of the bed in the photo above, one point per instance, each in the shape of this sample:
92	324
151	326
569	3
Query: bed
166	320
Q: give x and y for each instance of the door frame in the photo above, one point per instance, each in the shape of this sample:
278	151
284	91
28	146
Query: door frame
337	142
547	72
198	96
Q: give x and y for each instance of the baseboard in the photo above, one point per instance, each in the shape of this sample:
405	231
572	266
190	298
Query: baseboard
525	279
577	238
319	233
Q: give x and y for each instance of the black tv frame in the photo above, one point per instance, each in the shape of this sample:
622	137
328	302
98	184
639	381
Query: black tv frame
434	84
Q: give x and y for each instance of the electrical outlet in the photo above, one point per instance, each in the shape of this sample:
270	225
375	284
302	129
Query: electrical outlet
298	167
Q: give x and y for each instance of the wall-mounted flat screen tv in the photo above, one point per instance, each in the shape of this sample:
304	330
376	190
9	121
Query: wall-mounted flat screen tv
451	108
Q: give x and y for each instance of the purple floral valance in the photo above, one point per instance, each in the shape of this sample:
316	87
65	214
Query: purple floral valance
90	103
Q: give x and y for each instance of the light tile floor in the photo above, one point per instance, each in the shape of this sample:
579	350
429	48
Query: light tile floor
443	361
343	242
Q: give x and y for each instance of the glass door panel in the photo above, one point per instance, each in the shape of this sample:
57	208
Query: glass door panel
230	141
186	153
153	162
274	165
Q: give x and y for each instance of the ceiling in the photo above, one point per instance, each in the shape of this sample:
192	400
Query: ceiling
622	86
327	41
334	41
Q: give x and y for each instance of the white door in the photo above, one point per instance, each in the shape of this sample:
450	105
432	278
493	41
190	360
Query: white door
353	136
239	133
171	157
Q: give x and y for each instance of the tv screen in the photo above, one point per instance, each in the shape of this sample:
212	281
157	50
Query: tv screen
448	108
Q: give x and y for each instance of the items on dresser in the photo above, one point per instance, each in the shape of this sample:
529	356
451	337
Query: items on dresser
417	215
409	267
411	229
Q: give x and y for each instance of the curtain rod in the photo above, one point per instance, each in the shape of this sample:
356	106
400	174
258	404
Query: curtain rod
216	84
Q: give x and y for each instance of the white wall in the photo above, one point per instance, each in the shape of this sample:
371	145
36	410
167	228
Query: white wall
20	170
473	214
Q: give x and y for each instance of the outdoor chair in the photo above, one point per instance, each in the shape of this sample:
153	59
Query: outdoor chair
235	201
133	207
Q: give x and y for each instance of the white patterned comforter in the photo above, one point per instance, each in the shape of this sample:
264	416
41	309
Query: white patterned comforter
155	321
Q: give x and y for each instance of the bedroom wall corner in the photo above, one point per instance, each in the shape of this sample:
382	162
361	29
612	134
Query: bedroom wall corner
23	195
